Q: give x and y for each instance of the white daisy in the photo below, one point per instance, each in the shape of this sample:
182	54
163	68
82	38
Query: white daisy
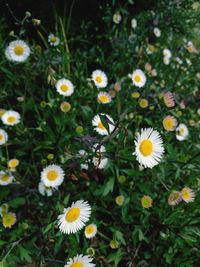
134	23
138	78
104	98
52	176
64	87
3	137
44	190
90	230
53	40
80	261
10	117
99	127
157	32
117	17
17	51
99	78
5	178
99	160
148	148
167	53
166	60
182	132
75	217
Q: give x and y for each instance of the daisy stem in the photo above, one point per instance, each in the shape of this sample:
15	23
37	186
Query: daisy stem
104	236
165	186
42	37
12	247
65	43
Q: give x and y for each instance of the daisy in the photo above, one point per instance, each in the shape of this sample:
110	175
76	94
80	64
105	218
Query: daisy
146	202
5	178
13	163
99	78
167	53
80	261
64	87
119	200
157	32
117	17
17	51
166	60
187	194
169	99
174	198
104	98
143	103
169	123
53	40
9	219
52	176
181	132
75	217
99	127
138	78
46	191
90	230
99	160
134	23
148	148
11	118
3	137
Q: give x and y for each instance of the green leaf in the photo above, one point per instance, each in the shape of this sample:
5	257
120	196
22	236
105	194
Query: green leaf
109	186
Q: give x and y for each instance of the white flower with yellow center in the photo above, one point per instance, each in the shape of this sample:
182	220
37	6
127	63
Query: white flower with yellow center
182	132
99	160
10	118
13	163
53	40
5	178
75	217
90	230
17	51
104	98
80	261
169	123
187	194
3	137
44	190
100	128
139	78
52	176
64	87
148	148
99	78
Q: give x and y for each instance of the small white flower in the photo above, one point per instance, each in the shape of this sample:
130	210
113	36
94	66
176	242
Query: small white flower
80	261
157	32
104	98
117	17
53	40
17	51
44	190
90	230
134	23
5	178
99	127
148	148
166	60
75	217
138	78
167	53
10	118
99	78
3	137
52	176
182	132
64	87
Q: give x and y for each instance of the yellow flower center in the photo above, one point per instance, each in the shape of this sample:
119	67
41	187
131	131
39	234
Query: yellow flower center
146	202
185	194
137	78
168	123
181	131
19	50
89	229
77	264
143	103
103	98
8	220
72	215
146	147
135	95
64	88
1	137
100	126
5	178
98	79
52	175
53	39
11	119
